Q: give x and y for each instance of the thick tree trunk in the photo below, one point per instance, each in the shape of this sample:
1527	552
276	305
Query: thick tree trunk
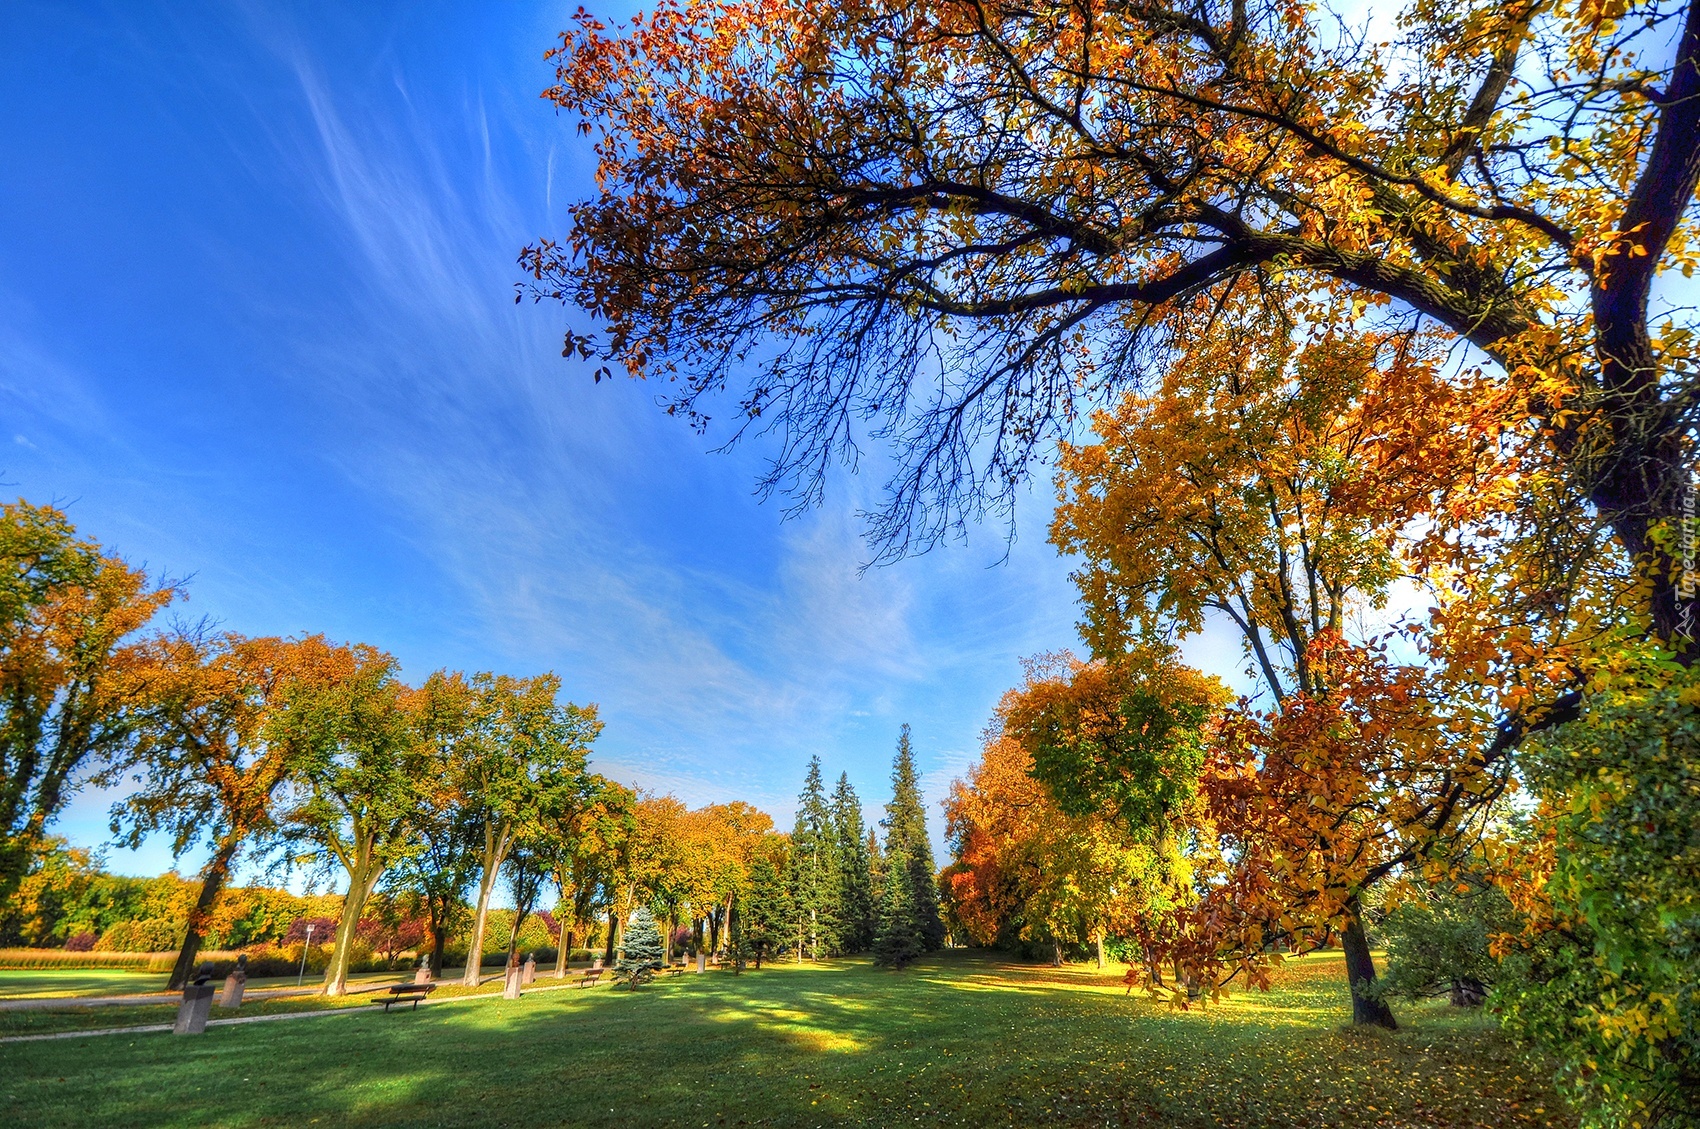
437	943
438	910
213	877
563	952
362	880
520	914
608	950
1360	969
1468	993
1099	940
494	853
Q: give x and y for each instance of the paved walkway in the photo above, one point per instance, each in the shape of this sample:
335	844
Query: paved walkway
234	1021
35	1002
38	1002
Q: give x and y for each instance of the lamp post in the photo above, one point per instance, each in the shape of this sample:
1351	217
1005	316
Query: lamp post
302	975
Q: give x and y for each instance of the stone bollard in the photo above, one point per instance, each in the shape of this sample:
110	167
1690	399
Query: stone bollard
422	974
596	965
511	985
530	971
702	962
235	984
193	1011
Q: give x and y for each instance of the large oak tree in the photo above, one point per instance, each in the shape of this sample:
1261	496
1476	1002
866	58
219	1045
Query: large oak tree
952	223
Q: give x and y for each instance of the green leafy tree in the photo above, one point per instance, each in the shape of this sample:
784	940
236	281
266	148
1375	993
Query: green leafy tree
434	878
521	735
59	895
859	912
907	846
1440	942
565	792
640	948
357	799
527	871
1606	981
815	885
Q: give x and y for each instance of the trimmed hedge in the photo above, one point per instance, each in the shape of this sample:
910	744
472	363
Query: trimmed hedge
62	958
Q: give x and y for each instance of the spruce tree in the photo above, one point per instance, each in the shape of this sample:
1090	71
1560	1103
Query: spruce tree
814	869
765	912
640	948
738	949
906	840
857	907
898	939
876	870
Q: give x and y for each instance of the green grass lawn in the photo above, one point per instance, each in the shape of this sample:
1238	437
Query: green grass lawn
956	1040
34	983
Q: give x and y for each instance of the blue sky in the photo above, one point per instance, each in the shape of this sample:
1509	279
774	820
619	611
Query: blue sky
257	330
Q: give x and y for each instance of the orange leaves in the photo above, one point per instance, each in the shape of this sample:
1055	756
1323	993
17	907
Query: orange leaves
1026	869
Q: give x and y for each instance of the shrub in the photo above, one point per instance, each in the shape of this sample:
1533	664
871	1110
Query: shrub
1439	942
152	935
148	936
60	958
80	943
1609	989
324	930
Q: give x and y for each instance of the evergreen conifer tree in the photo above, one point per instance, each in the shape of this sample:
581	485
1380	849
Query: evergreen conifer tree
906	840
857	906
640	948
876	870
898	939
765	913
814	870
738	949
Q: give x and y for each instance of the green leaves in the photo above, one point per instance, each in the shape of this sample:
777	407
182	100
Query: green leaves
1126	737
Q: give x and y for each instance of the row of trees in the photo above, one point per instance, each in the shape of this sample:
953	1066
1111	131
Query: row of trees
68	900
832	889
309	750
306	753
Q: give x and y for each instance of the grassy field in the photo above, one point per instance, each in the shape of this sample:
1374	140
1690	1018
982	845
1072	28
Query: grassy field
958	1040
34	983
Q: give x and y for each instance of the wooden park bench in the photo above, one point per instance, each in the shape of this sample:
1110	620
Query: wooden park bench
590	978
414	992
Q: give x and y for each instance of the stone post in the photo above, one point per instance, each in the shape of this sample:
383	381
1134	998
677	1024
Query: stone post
422	974
196	1006
529	972
702	961
235	984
